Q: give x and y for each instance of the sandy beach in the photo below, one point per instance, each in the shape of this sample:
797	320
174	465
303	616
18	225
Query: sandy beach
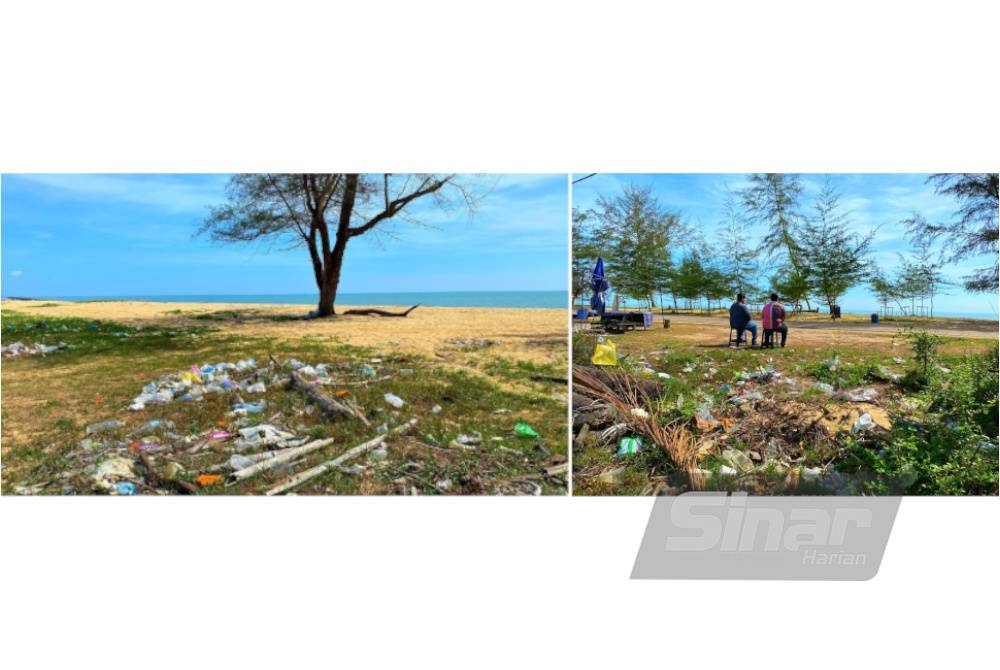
518	334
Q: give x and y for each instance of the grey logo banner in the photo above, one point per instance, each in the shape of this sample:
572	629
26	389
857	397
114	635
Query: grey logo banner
718	536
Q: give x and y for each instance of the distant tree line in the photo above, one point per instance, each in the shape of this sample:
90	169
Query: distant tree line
806	253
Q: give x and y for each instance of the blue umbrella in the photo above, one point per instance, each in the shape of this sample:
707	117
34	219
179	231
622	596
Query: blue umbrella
600	285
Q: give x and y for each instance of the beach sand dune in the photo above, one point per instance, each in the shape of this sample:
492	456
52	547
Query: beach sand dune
518	334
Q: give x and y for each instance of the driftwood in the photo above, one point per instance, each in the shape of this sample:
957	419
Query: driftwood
279	457
304	476
380	312
325	402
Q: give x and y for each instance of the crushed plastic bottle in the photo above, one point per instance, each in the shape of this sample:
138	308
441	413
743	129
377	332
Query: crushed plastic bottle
103	426
257	388
863	423
823	387
244	408
524	430
394	400
239	462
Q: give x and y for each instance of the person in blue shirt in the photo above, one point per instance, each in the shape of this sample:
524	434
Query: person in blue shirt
740	319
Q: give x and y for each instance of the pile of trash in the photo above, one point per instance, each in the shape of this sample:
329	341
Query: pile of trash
759	422
243	376
199	380
18	349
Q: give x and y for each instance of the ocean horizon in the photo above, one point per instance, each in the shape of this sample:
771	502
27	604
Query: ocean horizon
526	299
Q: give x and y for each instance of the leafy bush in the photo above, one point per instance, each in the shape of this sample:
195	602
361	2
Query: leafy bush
953	451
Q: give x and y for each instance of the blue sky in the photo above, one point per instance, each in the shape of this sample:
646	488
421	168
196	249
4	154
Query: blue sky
133	234
871	200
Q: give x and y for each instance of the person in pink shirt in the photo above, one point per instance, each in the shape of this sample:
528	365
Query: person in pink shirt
773	318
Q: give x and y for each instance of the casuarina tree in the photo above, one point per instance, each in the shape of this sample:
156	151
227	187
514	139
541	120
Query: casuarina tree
771	200
974	230
834	256
323	213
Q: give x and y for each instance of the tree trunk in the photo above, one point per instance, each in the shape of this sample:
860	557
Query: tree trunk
334	258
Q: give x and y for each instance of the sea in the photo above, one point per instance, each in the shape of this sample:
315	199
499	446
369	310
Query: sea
990	316
529	299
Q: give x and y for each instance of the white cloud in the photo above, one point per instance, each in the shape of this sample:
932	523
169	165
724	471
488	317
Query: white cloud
17	273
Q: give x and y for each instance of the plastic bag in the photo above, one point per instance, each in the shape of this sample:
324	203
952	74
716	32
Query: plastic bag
605	353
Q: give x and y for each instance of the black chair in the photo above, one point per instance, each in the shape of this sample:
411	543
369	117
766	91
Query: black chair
768	342
734	335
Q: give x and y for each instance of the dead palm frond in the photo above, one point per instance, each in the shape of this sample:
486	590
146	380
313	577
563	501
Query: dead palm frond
627	395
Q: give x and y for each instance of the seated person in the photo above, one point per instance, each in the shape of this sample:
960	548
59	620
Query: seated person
773	318
740	319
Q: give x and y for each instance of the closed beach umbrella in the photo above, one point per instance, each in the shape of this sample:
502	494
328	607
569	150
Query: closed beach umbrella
600	285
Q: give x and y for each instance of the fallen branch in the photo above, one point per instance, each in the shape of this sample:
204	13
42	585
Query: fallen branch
380	312
304	476
279	457
325	402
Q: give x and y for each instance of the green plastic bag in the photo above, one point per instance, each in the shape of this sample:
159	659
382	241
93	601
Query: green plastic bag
605	353
524	430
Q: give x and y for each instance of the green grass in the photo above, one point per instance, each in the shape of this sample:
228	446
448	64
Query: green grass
99	373
935	445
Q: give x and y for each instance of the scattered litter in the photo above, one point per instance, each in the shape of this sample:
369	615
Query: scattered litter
663	375
863	423
861	395
256	388
437	409
810	474
832	364
616	476
473	440
239	462
173	470
739	460
727	471
986	445
524	430
103	427
265	435
823	387
886	374
125	489
640	413
112	471
897	360
20	349
394	400
628	446
605	353
379	454
471	342
944	369
244	408
207	480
